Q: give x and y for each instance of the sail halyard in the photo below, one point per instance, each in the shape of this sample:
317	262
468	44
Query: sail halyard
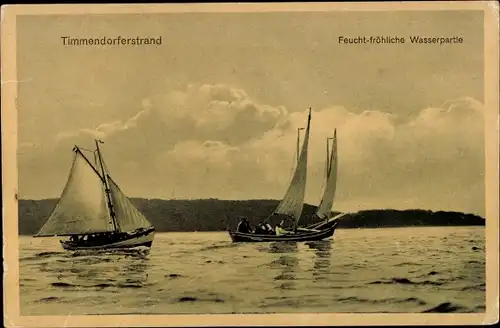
81	208
293	202
325	206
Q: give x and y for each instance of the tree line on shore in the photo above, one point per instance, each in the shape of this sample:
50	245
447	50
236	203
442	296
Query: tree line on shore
217	215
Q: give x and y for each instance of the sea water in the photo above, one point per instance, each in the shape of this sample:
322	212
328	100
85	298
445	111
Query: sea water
438	269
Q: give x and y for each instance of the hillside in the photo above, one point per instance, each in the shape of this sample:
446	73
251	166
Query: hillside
215	215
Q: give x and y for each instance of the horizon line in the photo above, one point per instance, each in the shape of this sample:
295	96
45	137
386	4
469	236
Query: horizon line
277	200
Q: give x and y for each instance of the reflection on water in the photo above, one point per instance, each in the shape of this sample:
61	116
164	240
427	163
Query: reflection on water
322	258
90	270
286	264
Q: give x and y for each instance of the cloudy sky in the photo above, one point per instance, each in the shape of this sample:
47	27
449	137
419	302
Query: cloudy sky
213	111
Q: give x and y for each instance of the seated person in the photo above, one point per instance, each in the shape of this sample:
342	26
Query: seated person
280	230
260	228
264	228
244	226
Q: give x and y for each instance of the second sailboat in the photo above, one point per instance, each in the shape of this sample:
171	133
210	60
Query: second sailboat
290	208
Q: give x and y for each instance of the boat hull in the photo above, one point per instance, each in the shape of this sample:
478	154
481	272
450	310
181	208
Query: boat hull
140	239
303	236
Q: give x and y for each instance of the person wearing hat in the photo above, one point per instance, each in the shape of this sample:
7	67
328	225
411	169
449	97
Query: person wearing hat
244	226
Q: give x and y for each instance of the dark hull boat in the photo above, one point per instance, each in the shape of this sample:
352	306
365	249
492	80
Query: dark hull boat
291	206
300	235
94	213
113	241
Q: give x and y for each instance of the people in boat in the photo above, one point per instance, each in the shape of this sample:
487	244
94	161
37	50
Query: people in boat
264	228
84	239
259	229
280	230
244	226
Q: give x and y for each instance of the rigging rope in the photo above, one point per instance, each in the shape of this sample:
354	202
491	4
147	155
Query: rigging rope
90	151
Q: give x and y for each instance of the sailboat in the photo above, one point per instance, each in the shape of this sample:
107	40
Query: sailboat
324	211
291	206
94	212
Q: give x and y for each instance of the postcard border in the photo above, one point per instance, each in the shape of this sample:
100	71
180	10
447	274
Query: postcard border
9	173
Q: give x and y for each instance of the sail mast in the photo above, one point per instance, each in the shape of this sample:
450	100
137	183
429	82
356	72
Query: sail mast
327	156
298	143
107	190
305	145
334	149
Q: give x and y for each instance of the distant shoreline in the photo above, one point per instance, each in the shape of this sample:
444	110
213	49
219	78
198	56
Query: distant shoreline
379	228
204	215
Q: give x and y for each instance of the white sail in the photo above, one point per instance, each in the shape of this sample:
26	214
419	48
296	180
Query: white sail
293	201
127	216
82	207
325	206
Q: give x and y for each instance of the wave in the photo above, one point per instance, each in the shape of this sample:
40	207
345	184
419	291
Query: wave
480	287
173	275
102	285
63	285
380	301
407	281
285	276
48	254
42	255
407	264
88	255
184	299
475	262
49	299
213	261
218	246
136	252
129	285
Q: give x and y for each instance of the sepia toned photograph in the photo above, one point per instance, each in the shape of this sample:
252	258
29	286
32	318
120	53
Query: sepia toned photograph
266	161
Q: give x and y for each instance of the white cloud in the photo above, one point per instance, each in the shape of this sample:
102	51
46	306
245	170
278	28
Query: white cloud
194	152
215	111
216	141
105	130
